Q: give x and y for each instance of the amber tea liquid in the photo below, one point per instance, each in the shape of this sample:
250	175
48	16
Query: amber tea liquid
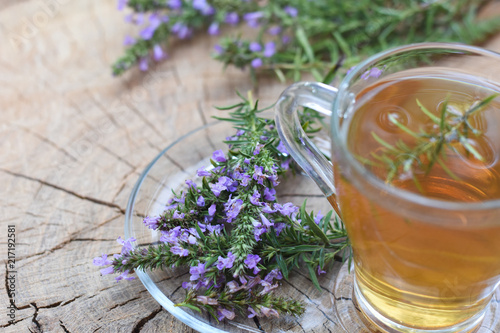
416	271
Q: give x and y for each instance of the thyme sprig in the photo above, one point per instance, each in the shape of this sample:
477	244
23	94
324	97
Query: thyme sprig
449	128
230	230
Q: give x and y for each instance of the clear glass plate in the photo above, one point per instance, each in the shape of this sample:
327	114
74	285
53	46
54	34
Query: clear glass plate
167	172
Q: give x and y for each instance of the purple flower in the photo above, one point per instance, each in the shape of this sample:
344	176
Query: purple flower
269	312
190	183
320	271
151	222
268	287
252	312
202	172
143	64
158	53
181	200
286	39
269	194
232	18
196	271
318	217
125	276
279	227
148	32
225	313
175	4
274	274
218	49
258	231
233	286
256	63
257	149
179	251
253	18
258	174
187	285
178	215
203	7
121	4
285	165
265	221
252	260
226	262
255	47
292	11
170	236
240	132
275	30
182	30
201	201
139	19
128	40
282	149
211	210
192	240
244	180
218	156
269	49
213	29
287	209
233	208
207	300
107	270
127	244
102	261
217	188
267	209
216	229
254	199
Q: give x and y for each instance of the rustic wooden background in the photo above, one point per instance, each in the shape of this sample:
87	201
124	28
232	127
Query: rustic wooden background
73	141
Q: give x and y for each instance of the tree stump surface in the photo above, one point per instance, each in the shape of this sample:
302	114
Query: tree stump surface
74	140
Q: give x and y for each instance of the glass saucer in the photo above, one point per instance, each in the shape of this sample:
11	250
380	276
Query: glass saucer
167	172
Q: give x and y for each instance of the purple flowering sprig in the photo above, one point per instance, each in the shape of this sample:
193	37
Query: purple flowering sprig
160	21
243	300
228	228
294	36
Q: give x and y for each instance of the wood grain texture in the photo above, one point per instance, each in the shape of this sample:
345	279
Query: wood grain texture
73	141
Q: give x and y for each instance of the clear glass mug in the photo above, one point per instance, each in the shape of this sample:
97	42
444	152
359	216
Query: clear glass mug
426	257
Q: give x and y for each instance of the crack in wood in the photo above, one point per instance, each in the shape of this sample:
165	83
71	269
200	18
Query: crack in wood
38	326
145	120
57	187
329	330
71	300
123	303
63	327
311	301
140	324
49	142
308	279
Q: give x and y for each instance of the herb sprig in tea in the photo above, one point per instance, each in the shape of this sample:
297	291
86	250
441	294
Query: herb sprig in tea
451	127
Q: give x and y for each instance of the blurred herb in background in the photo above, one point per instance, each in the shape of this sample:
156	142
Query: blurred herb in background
291	37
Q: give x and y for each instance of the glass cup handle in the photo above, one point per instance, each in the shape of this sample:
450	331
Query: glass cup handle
319	97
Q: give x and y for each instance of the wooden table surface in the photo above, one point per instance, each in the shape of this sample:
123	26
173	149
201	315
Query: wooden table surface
73	140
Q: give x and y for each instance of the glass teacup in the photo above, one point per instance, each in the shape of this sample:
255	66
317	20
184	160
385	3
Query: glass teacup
424	223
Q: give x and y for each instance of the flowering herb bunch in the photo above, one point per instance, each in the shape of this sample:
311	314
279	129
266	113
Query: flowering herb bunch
231	232
295	36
